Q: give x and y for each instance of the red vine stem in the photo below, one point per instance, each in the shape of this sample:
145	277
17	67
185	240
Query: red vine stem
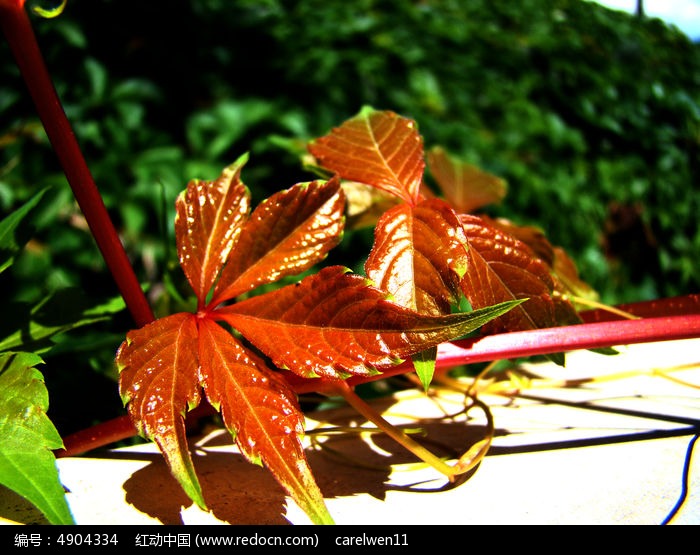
678	318
18	30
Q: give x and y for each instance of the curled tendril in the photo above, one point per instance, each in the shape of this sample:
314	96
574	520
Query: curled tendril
49	9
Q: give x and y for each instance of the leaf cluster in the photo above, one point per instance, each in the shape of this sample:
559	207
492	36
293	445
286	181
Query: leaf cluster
332	324
575	115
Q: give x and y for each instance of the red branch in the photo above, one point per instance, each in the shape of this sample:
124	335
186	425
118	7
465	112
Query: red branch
17	28
676	318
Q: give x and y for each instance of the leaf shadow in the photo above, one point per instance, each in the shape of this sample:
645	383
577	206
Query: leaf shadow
344	464
235	491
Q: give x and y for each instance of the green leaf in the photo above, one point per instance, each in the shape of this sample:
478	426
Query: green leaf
49	9
27	437
424	364
33	328
12	234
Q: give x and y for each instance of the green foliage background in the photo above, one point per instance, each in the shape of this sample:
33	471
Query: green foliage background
592	117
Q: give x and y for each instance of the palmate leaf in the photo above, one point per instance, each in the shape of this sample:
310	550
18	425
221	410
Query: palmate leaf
378	148
331	324
497	266
27	437
336	323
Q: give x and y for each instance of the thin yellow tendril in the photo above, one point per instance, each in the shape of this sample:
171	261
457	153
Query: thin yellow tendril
50	13
595	304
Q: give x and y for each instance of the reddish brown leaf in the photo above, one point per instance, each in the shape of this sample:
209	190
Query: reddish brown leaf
209	218
334	323
465	186
532	236
261	412
502	268
286	234
419	256
159	381
563	270
379	148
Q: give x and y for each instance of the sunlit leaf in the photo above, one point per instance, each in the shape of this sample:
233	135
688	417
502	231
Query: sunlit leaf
365	204
209	218
565	270
287	233
27	438
503	268
424	364
261	412
159	383
562	268
532	236
465	186
379	148
419	256
335	324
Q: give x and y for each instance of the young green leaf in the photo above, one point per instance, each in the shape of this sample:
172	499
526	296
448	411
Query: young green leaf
27	437
379	148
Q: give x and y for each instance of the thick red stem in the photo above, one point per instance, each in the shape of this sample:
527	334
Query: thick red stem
18	30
